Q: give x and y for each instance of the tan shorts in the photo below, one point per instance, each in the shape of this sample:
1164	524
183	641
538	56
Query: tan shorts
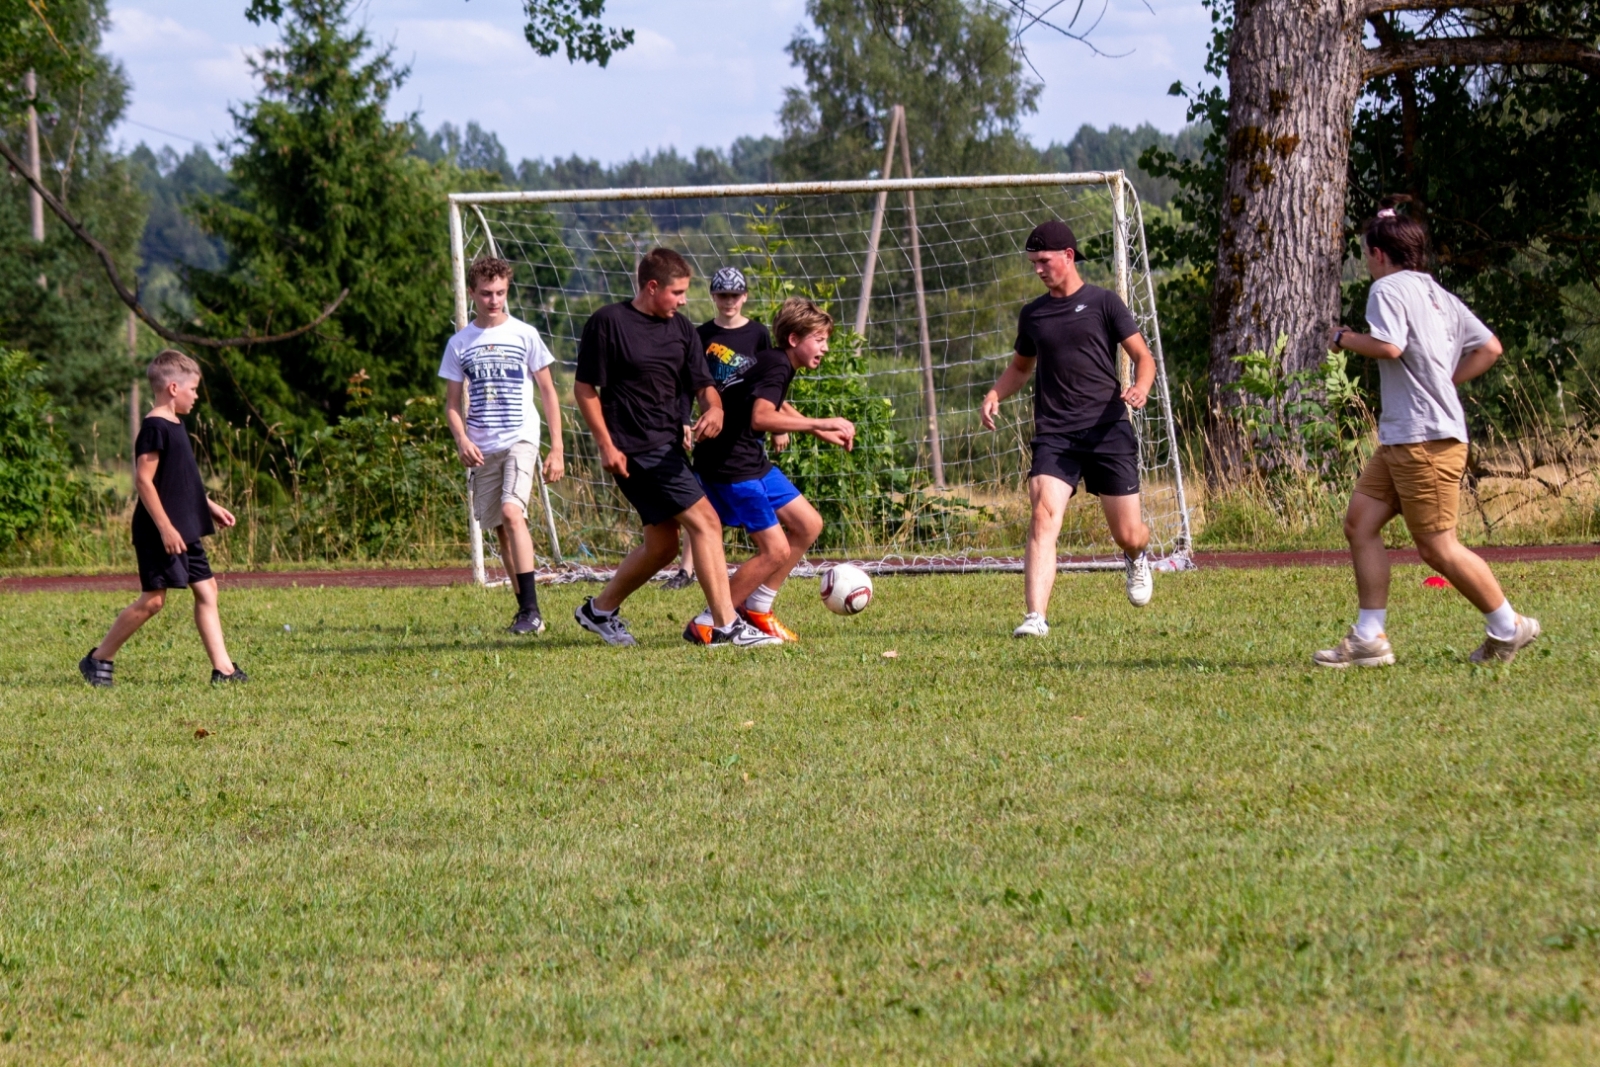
505	477
1420	481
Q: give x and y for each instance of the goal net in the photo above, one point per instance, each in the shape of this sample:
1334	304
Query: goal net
924	277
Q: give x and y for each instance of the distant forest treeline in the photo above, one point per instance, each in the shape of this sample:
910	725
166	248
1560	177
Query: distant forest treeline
170	181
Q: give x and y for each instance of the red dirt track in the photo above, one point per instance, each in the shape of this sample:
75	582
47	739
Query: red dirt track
379	579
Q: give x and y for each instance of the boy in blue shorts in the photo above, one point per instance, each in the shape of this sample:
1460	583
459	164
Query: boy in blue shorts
741	482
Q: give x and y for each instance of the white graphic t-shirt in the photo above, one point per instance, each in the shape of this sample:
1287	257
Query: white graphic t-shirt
1432	329
498	365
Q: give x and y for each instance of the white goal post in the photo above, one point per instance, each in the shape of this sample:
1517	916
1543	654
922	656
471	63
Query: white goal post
924	277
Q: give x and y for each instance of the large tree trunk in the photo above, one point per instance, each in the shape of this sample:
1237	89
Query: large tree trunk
1294	72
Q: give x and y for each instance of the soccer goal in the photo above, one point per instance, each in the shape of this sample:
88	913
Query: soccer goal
924	276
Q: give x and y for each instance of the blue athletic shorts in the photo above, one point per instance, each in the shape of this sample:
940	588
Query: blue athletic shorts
753	504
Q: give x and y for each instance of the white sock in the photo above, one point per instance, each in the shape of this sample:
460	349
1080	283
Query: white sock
1369	622
1501	622
704	618
761	600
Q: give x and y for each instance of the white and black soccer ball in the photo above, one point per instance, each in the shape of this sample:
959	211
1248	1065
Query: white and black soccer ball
846	589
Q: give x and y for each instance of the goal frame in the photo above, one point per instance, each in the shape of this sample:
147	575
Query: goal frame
1128	221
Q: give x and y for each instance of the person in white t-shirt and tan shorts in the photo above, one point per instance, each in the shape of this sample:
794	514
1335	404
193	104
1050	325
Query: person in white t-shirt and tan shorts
1426	343
501	360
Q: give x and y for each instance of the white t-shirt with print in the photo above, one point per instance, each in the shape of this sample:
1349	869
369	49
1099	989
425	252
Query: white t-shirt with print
498	365
1432	329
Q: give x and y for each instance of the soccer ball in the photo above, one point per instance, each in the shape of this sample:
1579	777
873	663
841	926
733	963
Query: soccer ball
846	589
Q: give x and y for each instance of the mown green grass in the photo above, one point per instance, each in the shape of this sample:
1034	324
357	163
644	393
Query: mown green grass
1156	837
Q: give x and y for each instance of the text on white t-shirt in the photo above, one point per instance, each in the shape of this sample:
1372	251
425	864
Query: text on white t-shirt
498	365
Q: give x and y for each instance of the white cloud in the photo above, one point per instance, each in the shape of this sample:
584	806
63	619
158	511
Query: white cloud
135	31
458	41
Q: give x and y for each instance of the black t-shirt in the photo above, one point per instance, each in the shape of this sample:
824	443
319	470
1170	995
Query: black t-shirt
178	484
1075	339
643	367
738	453
728	350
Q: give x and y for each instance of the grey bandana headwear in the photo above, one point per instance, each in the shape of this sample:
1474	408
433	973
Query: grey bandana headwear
728	280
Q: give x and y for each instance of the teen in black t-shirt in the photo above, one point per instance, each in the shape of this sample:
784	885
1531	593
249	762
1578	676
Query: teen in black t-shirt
1081	427
636	362
172	515
741	482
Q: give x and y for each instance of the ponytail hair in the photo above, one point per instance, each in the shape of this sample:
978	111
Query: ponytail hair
1400	237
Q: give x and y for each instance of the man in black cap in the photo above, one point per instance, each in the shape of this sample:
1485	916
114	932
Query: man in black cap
1080	414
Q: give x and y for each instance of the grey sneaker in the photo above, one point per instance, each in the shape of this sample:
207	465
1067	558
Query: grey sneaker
97	672
528	621
1352	651
611	628
1141	584
682	580
1494	650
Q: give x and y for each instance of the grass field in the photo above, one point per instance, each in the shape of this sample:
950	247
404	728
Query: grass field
1156	837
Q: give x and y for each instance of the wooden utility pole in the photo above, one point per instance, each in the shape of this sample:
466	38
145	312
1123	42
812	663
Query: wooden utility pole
135	416
897	131
30	86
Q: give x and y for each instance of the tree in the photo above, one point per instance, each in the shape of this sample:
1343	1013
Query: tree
1295	74
325	195
952	63
74	324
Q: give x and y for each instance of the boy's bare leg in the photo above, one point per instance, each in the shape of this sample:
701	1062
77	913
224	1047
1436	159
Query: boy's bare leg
1465	568
516	543
642	564
772	551
209	623
1124	517
778	550
1049	496
128	622
710	562
686	560
1364	521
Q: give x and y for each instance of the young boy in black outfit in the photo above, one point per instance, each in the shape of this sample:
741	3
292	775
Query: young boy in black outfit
636	361
172	515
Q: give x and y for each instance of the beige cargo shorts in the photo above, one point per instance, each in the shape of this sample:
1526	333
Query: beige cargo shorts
504	477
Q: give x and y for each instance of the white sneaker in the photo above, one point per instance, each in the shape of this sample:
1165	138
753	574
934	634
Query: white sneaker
1141	583
1033	625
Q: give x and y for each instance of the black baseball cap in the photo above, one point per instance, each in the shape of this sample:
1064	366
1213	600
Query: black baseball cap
1053	236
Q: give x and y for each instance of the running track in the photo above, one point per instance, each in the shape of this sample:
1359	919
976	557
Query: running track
378	579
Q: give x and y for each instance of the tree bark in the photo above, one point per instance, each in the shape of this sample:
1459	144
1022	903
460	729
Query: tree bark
1294	72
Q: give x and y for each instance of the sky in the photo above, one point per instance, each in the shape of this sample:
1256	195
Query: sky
701	72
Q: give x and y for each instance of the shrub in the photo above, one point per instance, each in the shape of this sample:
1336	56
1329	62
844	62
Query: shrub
33	461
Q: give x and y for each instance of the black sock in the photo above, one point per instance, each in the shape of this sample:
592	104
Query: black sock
527	592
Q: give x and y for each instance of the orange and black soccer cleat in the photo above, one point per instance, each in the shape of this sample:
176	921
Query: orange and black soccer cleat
768	623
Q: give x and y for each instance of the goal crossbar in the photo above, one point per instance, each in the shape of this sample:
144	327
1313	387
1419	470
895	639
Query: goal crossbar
865	185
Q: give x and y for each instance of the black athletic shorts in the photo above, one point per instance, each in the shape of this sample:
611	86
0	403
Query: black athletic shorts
1105	458
660	485
158	570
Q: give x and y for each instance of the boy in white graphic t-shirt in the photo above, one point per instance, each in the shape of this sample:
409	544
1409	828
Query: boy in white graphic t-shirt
500	358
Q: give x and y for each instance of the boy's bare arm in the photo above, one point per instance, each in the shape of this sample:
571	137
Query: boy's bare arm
765	418
612	458
554	464
709	424
1144	371
1013	378
144	481
1477	361
470	454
